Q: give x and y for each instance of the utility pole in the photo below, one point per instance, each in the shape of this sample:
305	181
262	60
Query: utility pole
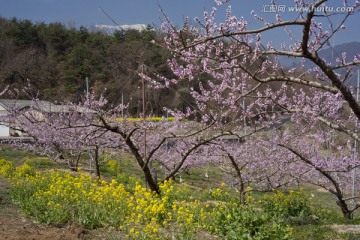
145	157
355	147
87	88
244	116
166	141
122	103
143	115
87	99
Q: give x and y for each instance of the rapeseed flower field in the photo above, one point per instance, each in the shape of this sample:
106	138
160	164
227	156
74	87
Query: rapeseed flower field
58	197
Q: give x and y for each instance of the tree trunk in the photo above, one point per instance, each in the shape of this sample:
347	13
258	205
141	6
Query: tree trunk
77	161
71	165
242	196
135	151
153	173
150	180
242	192
97	165
344	208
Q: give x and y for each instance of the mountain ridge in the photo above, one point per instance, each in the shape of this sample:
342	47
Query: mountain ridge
330	55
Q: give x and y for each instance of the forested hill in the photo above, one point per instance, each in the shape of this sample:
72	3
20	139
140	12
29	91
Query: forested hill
57	59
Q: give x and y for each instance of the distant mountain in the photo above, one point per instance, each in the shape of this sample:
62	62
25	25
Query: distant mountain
351	49
110	29
330	55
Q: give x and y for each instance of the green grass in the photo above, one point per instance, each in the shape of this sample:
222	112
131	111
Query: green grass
196	177
17	155
320	232
5	198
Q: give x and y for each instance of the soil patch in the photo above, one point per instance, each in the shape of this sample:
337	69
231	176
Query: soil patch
15	226
347	228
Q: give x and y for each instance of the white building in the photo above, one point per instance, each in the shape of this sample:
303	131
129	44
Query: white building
6	105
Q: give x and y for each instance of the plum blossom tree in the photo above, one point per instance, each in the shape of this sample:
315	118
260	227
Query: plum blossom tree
247	87
322	160
250	167
91	126
173	145
240	66
49	126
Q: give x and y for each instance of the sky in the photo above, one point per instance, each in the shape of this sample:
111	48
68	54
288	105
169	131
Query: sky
88	12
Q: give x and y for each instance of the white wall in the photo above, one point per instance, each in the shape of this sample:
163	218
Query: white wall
4	131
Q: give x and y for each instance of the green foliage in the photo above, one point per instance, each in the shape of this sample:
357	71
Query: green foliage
24	170
113	168
6	169
39	162
57	59
59	38
17	156
295	207
24	33
292	204
232	220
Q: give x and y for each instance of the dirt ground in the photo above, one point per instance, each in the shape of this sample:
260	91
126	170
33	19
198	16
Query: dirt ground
15	226
347	228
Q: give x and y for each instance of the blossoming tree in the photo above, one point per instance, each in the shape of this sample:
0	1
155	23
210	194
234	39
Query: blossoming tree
247	85
61	132
243	91
93	126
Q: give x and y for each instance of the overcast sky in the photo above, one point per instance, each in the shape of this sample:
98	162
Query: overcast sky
88	12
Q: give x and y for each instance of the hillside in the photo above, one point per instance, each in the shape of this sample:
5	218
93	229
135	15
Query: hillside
351	49
56	59
330	55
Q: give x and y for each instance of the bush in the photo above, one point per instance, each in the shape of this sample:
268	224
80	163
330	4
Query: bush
112	167
295	207
231	220
6	168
